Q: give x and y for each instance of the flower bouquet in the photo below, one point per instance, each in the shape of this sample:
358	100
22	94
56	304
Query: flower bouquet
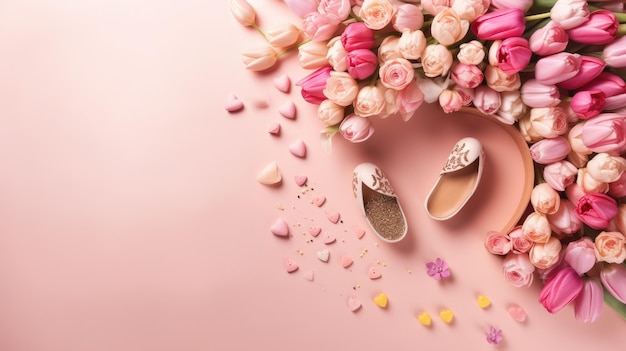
552	68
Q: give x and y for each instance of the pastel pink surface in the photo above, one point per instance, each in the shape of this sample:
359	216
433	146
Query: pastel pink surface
129	201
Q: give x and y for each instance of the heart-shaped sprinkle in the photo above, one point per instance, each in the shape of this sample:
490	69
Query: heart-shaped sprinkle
315	231
323	255
318	200
359	233
301	180
233	104
274	129
381	300
446	316
329	238
308	275
424	319
374	273
517	313
354	304
483	301
298	148
282	83
280	228
270	175
291	266
346	261
288	110
333	217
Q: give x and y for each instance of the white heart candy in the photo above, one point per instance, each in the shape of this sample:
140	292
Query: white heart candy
323	255
270	174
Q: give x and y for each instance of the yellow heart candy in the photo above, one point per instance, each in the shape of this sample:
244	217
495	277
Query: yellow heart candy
424	318
381	300
447	316
483	301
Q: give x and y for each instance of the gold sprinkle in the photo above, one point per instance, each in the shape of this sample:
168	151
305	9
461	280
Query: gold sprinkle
384	264
385	216
409	271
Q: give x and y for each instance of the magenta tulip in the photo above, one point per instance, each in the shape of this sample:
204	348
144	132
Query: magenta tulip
550	150
589	302
499	24
513	55
561	289
557	68
601	28
361	63
587	104
590	68
609	83
357	36
613	277
596	210
313	85
614	53
581	255
605	133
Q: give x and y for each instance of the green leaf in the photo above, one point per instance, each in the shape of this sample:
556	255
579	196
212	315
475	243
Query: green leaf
615	304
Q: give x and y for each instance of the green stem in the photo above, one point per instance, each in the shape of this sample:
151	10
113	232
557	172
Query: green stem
537	16
621	17
621	29
259	30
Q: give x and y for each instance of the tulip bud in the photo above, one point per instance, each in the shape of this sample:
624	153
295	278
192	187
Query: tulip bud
545	255
283	35
557	68
614	53
613	277
590	68
587	104
243	12
536	228
536	94
357	36
596	210
302	7
499	24
312	55
260	58
409	100
356	129
559	175
589	302
314	84
544	199
330	113
605	133
570	13
550	150
608	83
487	100
561	289
408	17
336	55
601	28
606	168
549	39
513	55
549	122
361	63
564	222
512	107
580	255
450	101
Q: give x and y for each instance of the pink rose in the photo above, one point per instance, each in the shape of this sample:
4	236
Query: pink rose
436	60
596	210
518	270
545	255
369	101
361	63
536	228
396	73
519	243
610	247
433	7
447	28
497	243
467	76
376	14
356	129
389	49
341	88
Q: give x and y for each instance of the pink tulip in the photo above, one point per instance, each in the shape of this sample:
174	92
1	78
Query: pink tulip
561	289
549	39
615	102
314	84
499	24
356	129
588	103
564	222
580	255
596	210
361	63
614	53
536	94
513	55
467	76
570	13
608	83
497	243
318	27
357	36
601	28
557	68
303	7
589	302
613	277
590	68
605	133
486	99
559	175
335	10
550	150
409	100
408	17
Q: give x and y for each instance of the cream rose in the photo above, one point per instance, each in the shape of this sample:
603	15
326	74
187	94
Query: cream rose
330	113
412	44
544	199
389	49
606	168
341	88
536	228
610	247
436	60
499	81
471	53
376	14
447	28
396	74
544	256
369	102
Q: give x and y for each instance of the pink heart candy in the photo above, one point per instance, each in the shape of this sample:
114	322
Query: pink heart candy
354	304
333	217
288	110
318	200
282	83
315	231
274	129
346	261
298	148
374	273
329	239
280	228
359	232
301	180
291	266
308	275
517	313
233	104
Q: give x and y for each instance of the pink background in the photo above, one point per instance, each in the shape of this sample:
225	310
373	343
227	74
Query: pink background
130	218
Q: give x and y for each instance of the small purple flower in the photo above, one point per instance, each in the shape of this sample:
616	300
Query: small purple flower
494	336
438	269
